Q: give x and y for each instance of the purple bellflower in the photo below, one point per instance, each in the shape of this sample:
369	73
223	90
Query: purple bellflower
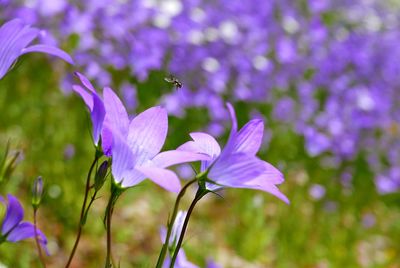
136	149
13	229
181	260
134	144
15	35
236	165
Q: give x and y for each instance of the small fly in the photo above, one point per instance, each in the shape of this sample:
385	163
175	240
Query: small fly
173	80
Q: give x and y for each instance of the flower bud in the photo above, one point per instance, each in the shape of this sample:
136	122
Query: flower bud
37	192
101	175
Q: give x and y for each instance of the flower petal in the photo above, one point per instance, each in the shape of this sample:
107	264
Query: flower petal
163	177
116	116
24	231
86	96
147	133
98	113
123	159
174	157
51	50
14	36
265	186
85	82
248	139
235	170
229	146
14	214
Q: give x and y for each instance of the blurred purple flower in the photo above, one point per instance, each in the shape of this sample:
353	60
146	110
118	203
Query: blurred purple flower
13	229
181	260
237	164
317	191
15	36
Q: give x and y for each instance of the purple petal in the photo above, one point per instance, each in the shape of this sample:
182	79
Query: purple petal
85	82
24	231
163	177
86	96
228	149
106	141
116	116
14	214
14	36
174	157
123	159
265	186
51	50
235	170
98	113
248	139
147	133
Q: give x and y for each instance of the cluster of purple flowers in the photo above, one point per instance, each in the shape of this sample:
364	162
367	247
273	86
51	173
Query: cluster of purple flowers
328	68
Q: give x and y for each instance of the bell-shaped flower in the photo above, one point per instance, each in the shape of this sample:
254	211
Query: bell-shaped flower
236	165
136	150
13	229
15	36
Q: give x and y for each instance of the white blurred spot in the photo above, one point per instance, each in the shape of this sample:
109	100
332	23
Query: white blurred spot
54	191
290	25
364	101
212	34
149	3
196	37
373	23
210	64
228	31
197	14
171	7
260	62
162	21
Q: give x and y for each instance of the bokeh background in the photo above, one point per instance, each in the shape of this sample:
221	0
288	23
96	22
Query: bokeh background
324	75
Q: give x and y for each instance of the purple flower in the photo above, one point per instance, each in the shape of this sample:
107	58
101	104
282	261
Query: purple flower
94	103
136	148
13	229
14	38
237	164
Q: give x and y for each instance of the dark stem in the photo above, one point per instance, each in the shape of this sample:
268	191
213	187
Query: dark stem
200	193
164	249
39	249
108	224
83	209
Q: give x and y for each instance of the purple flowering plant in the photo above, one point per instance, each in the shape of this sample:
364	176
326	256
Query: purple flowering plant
15	36
13	228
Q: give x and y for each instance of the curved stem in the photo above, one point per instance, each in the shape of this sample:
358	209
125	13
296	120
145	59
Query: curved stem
200	193
164	249
39	249
83	209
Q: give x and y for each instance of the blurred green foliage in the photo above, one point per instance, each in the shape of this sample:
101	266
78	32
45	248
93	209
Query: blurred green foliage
350	226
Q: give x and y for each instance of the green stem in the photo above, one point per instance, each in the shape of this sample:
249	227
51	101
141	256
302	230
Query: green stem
164	249
39	249
116	192
83	209
199	195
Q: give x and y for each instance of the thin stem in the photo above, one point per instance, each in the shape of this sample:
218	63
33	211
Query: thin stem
164	249
83	209
39	249
200	193
108	257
